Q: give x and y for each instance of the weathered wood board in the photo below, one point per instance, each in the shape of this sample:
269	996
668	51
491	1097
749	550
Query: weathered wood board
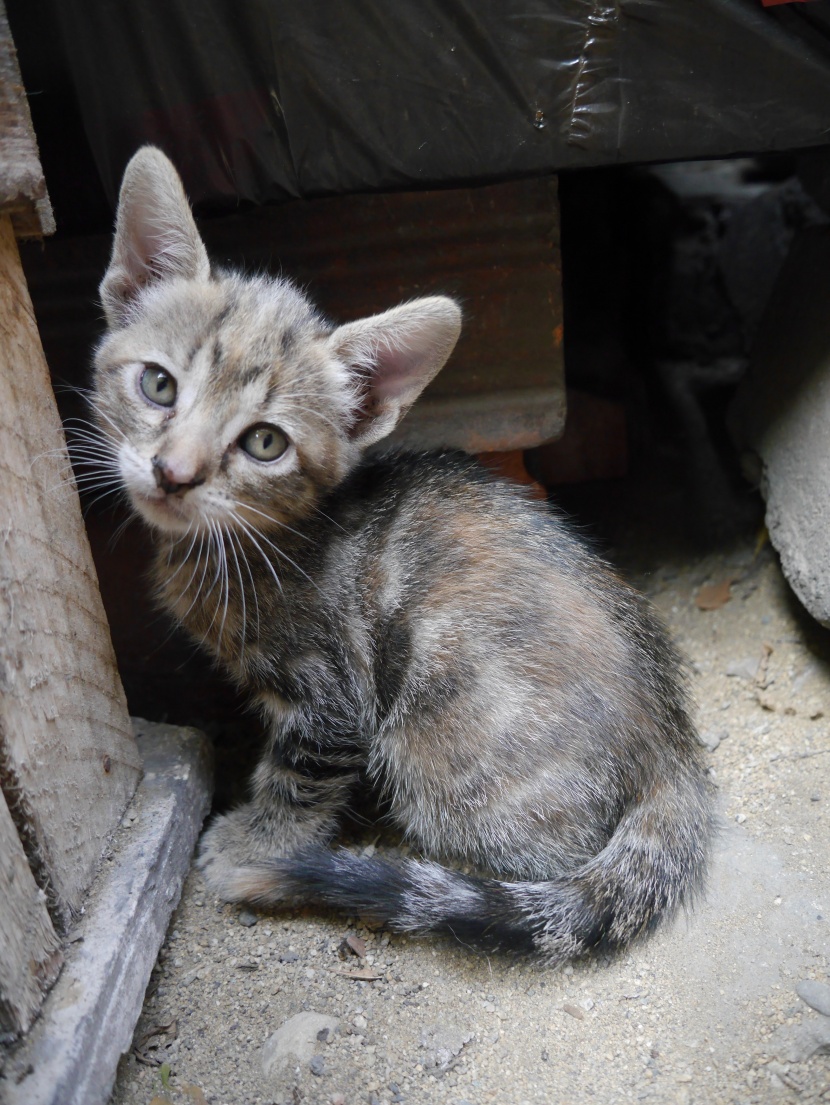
68	761
30	955
23	193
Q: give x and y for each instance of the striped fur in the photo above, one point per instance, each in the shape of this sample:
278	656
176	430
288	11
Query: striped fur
405	623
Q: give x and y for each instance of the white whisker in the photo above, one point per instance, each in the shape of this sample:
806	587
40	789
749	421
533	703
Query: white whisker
262	553
270	518
189	583
226	583
218	577
118	532
186	555
233	535
241	592
110	490
286	557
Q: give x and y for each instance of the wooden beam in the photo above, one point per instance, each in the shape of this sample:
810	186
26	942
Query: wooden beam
68	760
30	955
23	193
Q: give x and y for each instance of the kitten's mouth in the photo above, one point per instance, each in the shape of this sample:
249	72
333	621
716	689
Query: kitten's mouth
165	511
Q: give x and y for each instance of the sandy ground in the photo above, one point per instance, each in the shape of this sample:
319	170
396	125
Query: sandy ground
705	1012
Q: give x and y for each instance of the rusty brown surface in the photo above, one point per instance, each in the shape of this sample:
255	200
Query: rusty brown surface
511	466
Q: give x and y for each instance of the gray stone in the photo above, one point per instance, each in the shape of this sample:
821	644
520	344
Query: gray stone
711	738
781	420
816	995
317	1064
743	669
795	1043
247	919
443	1042
295	1041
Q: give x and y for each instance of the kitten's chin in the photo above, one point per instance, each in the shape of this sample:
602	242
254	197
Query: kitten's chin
169	515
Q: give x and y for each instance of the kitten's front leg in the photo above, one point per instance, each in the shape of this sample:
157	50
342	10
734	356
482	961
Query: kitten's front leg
300	788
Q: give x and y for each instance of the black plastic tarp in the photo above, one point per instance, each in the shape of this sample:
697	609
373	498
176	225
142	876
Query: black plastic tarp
261	100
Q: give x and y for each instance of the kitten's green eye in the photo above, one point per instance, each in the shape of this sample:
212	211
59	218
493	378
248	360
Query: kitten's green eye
264	442
158	385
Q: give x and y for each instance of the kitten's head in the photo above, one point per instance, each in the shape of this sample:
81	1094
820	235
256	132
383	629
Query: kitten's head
226	399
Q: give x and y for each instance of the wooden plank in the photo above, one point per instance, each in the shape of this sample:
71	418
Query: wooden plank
71	1055
23	193
68	761
30	955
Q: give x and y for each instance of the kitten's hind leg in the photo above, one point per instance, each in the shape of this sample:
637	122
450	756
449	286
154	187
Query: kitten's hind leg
299	791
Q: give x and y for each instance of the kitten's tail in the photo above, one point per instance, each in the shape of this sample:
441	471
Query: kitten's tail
654	861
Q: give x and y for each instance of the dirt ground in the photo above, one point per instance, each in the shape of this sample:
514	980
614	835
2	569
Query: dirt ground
704	1012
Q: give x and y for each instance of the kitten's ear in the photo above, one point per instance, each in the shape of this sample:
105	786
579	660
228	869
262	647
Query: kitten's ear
155	235
393	357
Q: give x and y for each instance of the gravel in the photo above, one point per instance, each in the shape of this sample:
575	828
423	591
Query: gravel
704	1012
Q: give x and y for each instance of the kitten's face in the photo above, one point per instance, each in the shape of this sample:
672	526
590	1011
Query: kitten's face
222	402
226	402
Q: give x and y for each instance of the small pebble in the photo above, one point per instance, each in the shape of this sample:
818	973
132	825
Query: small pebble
743	669
316	1065
712	738
247	918
288	957
816	995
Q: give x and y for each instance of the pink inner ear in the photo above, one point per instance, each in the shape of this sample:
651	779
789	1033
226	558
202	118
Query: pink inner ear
391	378
145	248
393	357
395	372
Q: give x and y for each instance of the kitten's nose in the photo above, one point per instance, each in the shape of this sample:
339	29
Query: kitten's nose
172	477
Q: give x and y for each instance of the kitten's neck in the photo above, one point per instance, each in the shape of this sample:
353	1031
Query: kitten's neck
224	587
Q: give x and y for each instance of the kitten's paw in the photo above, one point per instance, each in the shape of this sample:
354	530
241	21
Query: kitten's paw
258	884
233	858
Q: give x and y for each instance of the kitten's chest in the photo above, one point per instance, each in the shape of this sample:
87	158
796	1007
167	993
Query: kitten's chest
303	636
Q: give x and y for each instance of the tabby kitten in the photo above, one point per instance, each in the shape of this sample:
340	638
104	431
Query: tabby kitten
404	621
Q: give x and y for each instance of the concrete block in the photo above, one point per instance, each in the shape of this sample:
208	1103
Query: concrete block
781	419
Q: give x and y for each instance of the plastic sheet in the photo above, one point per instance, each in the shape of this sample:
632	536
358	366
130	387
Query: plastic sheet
260	100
